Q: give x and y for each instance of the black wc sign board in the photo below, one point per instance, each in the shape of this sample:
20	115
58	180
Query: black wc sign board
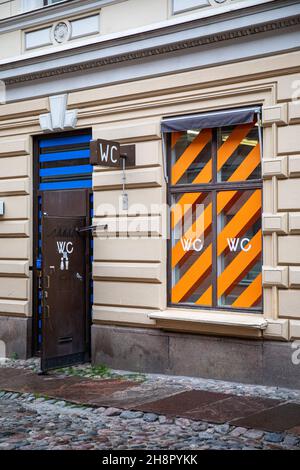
105	153
109	153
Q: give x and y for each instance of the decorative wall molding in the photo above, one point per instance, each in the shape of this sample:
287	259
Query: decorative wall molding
275	167
294	112
278	276
294	276
59	118
277	329
159	50
277	114
275	223
62	31
294	222
52	13
294	166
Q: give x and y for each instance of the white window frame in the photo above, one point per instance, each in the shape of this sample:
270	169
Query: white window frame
30	5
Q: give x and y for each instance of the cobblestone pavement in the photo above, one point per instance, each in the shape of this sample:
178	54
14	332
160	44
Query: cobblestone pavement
30	422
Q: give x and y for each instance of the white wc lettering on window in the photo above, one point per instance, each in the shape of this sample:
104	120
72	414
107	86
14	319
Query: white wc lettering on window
234	243
188	244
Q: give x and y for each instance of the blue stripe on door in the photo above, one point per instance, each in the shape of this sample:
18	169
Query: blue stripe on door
76	139
66	185
78	176
66	170
69	155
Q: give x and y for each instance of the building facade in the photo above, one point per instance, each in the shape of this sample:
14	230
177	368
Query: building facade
188	261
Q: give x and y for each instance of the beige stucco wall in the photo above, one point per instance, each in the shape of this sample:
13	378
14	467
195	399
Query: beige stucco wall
15	253
130	274
11	42
132	14
16	192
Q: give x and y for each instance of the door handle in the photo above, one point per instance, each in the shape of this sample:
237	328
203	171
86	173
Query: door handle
46	282
92	228
46	311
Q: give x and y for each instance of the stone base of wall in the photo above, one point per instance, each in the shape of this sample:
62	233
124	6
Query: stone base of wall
155	351
15	337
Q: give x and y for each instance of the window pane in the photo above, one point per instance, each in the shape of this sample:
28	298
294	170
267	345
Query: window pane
191	248
238	153
191	157
239	248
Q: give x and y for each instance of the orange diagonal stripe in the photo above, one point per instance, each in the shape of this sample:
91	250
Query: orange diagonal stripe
190	153
183	206
236	226
206	297
237	268
247	166
232	143
241	173
250	295
197	229
175	136
224	153
193	274
240	222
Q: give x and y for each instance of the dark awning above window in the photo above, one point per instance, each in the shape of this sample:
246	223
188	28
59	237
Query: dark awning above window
209	120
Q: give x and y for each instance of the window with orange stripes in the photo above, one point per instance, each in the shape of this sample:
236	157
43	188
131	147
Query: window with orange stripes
215	193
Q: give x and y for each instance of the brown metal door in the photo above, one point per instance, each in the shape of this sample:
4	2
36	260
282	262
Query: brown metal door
64	279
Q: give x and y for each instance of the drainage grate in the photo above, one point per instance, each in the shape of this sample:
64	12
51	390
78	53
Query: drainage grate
178	404
233	407
277	419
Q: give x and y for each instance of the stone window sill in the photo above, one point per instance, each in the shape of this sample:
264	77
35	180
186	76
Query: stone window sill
211	322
